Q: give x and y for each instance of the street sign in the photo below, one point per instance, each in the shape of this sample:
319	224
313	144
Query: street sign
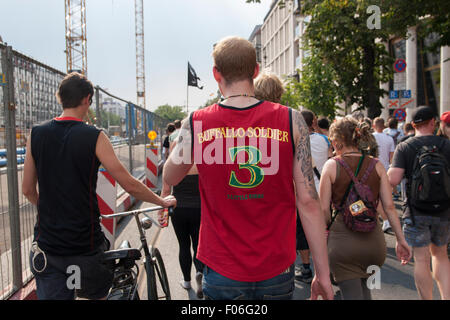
393	94
400	65
405	94
393	104
405	103
400	114
2	80
152	135
400	81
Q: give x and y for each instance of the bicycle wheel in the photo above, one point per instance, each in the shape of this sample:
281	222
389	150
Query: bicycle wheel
162	282
151	281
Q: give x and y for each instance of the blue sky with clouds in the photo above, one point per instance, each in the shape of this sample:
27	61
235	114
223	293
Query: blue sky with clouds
176	31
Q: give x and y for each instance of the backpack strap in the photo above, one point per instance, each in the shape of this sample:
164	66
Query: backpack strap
342	162
413	143
369	170
317	173
348	170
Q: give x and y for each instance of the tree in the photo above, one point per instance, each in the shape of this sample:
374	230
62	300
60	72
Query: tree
171	113
339	32
318	90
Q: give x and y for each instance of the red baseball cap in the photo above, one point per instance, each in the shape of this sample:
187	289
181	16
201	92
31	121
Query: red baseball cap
446	117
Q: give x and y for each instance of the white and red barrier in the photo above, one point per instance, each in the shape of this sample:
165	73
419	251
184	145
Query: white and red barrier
107	202
151	169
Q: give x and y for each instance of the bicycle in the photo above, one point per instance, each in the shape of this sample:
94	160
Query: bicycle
126	270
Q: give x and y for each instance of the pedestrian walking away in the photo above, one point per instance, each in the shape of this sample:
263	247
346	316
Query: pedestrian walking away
424	161
354	183
247	233
386	148
62	161
270	88
186	223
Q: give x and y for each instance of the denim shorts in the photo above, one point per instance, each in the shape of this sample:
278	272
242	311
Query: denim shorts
218	287
426	230
58	280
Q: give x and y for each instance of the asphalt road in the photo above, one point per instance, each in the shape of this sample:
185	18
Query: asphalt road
397	281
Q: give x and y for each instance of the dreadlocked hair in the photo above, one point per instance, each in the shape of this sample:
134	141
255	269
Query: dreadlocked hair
353	134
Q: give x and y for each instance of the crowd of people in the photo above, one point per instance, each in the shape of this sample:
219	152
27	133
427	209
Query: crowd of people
255	185
351	253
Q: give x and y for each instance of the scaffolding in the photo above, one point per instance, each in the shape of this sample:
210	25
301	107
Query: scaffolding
140	59
76	42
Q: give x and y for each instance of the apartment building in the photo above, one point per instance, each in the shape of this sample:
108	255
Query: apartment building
280	39
255	39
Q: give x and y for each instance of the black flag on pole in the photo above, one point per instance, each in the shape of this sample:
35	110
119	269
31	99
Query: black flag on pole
192	77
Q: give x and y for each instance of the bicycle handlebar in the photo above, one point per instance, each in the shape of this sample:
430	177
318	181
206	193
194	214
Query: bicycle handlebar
135	212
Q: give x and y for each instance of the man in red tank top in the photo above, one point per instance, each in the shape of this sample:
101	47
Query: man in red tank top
254	164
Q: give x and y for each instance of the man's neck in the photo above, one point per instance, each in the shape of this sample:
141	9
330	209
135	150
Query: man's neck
74	113
423	133
379	130
237	89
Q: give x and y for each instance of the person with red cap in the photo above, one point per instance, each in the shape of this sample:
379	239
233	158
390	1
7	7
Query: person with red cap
444	127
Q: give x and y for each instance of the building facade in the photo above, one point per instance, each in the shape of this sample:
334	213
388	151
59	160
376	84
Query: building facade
255	39
280	39
426	78
112	106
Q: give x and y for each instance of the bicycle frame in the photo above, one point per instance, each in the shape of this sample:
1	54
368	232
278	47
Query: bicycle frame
148	249
142	237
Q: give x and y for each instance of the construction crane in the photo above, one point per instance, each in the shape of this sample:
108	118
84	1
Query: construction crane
140	59
76	42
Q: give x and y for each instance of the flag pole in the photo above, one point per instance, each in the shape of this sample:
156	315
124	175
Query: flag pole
187	91
187	99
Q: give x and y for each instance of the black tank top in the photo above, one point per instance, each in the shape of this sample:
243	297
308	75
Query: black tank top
68	221
187	192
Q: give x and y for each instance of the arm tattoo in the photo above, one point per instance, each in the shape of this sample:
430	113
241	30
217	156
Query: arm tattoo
184	137
183	142
303	154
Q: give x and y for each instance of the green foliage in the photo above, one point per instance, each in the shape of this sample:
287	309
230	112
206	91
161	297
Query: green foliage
112	118
339	32
316	90
171	113
355	55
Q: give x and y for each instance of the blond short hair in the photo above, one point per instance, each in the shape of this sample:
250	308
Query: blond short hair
235	59
268	87
378	122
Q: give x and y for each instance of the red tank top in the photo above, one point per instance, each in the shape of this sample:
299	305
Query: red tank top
244	159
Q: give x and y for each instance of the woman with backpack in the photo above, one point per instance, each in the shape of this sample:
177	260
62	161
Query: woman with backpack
356	241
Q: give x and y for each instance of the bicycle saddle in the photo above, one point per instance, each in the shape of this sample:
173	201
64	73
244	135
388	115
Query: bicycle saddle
124	251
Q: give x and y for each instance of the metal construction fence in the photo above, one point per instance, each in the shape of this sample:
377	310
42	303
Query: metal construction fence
27	98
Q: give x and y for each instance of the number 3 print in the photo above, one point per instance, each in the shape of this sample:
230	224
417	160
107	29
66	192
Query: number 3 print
254	158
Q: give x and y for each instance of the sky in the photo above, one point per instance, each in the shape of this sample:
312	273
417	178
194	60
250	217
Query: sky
176	31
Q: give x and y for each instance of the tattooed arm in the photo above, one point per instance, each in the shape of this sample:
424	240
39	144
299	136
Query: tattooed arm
181	158
309	208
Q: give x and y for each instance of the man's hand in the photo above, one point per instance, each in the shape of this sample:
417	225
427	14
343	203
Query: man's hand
169	201
322	288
